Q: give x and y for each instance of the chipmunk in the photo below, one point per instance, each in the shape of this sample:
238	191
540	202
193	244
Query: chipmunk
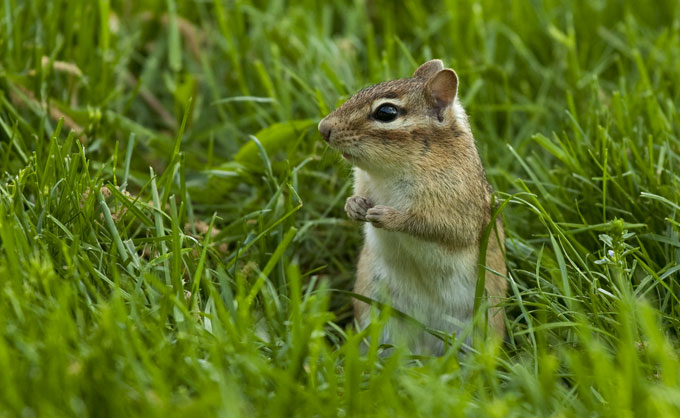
421	190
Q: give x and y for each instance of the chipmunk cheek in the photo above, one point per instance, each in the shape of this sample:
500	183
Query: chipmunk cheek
388	137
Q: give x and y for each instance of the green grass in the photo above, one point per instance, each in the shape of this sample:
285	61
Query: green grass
172	232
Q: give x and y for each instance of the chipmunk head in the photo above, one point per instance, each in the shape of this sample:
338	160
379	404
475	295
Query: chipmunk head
400	123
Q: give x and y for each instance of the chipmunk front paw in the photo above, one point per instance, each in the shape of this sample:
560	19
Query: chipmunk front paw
357	206
383	216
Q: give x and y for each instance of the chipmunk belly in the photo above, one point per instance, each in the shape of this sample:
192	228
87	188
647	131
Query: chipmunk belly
425	280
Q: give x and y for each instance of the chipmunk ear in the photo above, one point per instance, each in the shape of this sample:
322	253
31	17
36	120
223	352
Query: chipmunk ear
442	88
428	69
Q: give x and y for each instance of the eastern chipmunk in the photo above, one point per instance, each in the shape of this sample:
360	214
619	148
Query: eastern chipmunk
421	190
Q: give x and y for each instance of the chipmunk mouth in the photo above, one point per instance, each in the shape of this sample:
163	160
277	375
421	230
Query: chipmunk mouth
348	153
349	156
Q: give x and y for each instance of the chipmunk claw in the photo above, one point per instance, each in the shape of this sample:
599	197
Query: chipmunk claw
379	215
357	206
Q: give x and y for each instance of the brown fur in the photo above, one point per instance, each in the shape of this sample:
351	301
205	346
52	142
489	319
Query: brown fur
496	287
429	150
362	283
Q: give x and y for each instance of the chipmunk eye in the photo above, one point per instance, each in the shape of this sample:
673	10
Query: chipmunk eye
386	113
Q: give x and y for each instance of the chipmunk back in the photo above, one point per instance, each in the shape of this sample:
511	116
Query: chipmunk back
421	190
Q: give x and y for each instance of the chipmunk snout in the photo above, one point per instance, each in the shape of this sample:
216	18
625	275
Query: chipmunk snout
325	129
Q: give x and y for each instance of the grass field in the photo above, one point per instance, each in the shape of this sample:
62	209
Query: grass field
172	233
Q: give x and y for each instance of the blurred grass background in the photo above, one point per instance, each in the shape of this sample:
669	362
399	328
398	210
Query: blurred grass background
172	231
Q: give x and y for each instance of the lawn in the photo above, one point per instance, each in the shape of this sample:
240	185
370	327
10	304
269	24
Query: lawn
172	233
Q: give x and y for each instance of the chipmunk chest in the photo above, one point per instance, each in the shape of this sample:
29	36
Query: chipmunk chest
397	192
423	278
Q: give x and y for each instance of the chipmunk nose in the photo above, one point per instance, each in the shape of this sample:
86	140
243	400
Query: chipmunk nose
325	129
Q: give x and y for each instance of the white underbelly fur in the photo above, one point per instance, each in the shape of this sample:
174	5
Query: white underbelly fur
424	280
